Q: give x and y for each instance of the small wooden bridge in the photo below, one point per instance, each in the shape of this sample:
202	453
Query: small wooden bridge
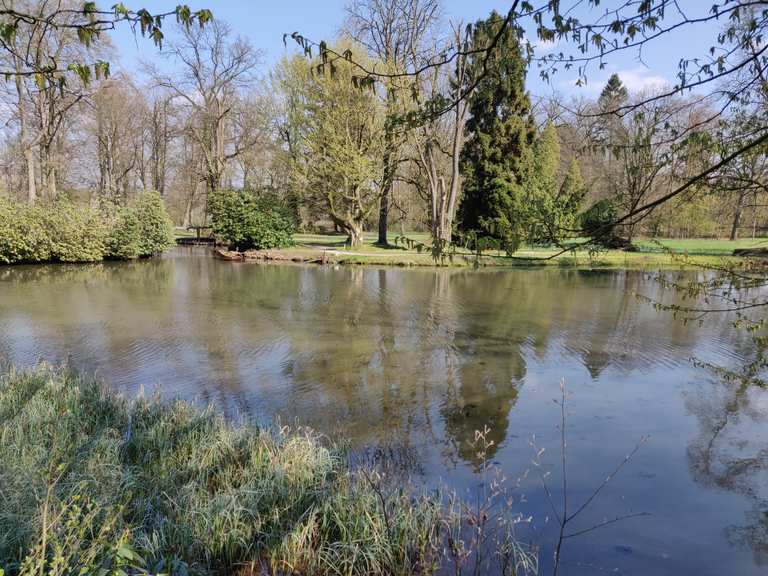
199	239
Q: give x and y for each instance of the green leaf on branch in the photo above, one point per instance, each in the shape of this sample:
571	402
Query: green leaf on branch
90	9
120	10
101	69
183	14
204	16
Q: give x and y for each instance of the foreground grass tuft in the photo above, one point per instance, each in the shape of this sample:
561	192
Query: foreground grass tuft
92	483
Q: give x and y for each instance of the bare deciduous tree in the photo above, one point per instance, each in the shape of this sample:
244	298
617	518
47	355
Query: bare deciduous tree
118	137
44	101
438	141
214	71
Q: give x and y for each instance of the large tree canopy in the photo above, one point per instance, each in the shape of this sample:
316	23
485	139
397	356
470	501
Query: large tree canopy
340	142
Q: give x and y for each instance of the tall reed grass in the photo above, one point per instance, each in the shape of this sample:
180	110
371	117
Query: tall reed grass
92	483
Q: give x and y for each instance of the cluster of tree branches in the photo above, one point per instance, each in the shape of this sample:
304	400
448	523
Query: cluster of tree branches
192	122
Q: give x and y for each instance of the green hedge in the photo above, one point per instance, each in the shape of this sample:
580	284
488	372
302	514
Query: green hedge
75	234
62	231
124	239
245	221
155	226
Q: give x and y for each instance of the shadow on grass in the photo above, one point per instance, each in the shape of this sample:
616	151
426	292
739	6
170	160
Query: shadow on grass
389	246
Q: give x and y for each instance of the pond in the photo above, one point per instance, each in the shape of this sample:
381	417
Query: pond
417	360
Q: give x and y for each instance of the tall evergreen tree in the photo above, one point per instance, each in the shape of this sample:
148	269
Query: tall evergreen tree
541	201
614	93
497	159
553	208
570	196
547	159
609	129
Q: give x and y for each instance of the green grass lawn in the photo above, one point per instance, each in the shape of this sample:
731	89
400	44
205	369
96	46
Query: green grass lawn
700	246
652	253
337	242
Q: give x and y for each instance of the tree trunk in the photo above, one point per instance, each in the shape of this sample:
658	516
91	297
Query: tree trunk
160	139
354	234
735	224
47	173
389	176
737	216
29	153
29	160
754	218
384	205
53	184
630	230
188	210
455	186
212	185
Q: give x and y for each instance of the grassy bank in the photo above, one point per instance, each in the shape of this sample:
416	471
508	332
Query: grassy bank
651	254
90	482
93	484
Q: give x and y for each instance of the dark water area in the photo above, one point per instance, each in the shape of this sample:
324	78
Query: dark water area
420	359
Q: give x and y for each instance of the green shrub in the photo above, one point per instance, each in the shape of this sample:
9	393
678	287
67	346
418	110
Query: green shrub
58	232
267	201
598	222
76	233
124	239
62	231
244	221
155	226
23	235
141	229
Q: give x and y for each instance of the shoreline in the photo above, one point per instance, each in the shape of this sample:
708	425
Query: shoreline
330	250
611	259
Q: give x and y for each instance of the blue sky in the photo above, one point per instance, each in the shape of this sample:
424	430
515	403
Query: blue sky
264	22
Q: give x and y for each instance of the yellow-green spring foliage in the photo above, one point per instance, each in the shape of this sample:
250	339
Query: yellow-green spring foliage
62	231
141	229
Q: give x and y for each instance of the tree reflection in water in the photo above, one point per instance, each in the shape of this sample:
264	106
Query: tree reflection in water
731	453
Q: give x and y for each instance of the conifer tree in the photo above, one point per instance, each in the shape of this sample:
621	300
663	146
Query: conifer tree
570	196
497	159
553	207
547	159
614	93
542	190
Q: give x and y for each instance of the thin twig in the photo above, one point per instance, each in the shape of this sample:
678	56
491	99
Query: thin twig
606	523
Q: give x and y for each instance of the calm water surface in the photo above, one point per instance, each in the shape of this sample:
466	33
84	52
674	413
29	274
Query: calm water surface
420	359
